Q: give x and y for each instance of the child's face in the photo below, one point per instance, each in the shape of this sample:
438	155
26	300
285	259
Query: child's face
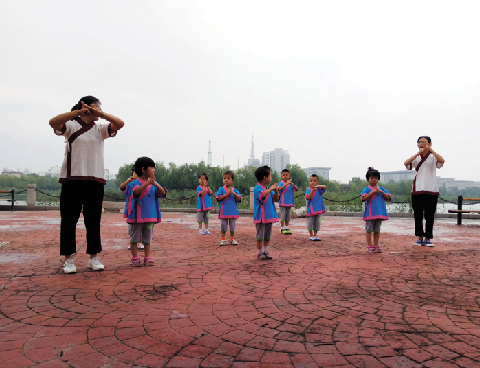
268	179
372	180
227	180
149	172
202	180
285	176
313	181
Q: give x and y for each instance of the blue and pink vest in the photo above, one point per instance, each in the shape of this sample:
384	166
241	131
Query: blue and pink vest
144	207
228	207
375	206
264	208
315	206
204	201
286	195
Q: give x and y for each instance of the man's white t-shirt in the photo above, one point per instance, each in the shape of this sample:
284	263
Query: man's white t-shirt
84	158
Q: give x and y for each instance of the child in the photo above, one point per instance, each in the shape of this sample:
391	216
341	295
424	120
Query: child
204	203
315	206
265	213
228	211
143	210
375	209
287	200
123	188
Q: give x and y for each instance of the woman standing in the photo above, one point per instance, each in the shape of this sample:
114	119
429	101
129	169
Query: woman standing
83	176
425	190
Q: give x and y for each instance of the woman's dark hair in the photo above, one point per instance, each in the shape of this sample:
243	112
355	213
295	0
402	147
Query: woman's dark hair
206	176
426	137
230	173
87	100
372	172
262	172
143	163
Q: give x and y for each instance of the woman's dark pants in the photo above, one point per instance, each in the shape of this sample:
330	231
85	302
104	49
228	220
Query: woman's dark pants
424	205
75	195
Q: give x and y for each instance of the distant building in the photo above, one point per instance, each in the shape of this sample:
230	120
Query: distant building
54	171
324	172
396	176
449	183
277	159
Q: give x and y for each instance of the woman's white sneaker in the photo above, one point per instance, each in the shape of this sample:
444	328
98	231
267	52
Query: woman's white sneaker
95	264
69	267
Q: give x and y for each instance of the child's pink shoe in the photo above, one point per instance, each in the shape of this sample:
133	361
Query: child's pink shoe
136	261
148	261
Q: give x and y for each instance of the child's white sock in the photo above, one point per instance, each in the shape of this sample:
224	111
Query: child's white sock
265	248
260	251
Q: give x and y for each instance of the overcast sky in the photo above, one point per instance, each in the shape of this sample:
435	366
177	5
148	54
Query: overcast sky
343	84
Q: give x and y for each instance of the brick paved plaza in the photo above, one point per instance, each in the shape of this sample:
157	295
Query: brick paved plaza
316	304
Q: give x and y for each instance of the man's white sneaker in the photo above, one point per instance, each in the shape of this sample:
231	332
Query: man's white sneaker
69	267
95	264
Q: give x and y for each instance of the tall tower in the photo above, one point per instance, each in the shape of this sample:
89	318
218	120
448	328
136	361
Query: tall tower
252	155
209	163
252	161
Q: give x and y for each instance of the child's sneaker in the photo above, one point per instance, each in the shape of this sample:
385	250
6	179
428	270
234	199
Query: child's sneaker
261	256
378	249
233	242
207	232
428	243
419	243
223	242
69	267
317	239
371	249
129	247
200	232
267	255
312	238
136	262
284	231
148	261
288	232
140	246
95	264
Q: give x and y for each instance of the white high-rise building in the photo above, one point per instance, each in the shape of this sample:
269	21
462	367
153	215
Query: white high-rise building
277	159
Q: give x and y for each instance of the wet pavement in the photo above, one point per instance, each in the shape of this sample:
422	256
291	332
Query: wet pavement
316	304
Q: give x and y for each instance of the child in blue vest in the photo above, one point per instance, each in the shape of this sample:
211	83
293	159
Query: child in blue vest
375	212
204	203
315	206
287	200
228	197
123	188
265	213
143	210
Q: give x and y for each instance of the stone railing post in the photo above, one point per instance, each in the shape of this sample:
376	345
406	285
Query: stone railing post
251	198
31	194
